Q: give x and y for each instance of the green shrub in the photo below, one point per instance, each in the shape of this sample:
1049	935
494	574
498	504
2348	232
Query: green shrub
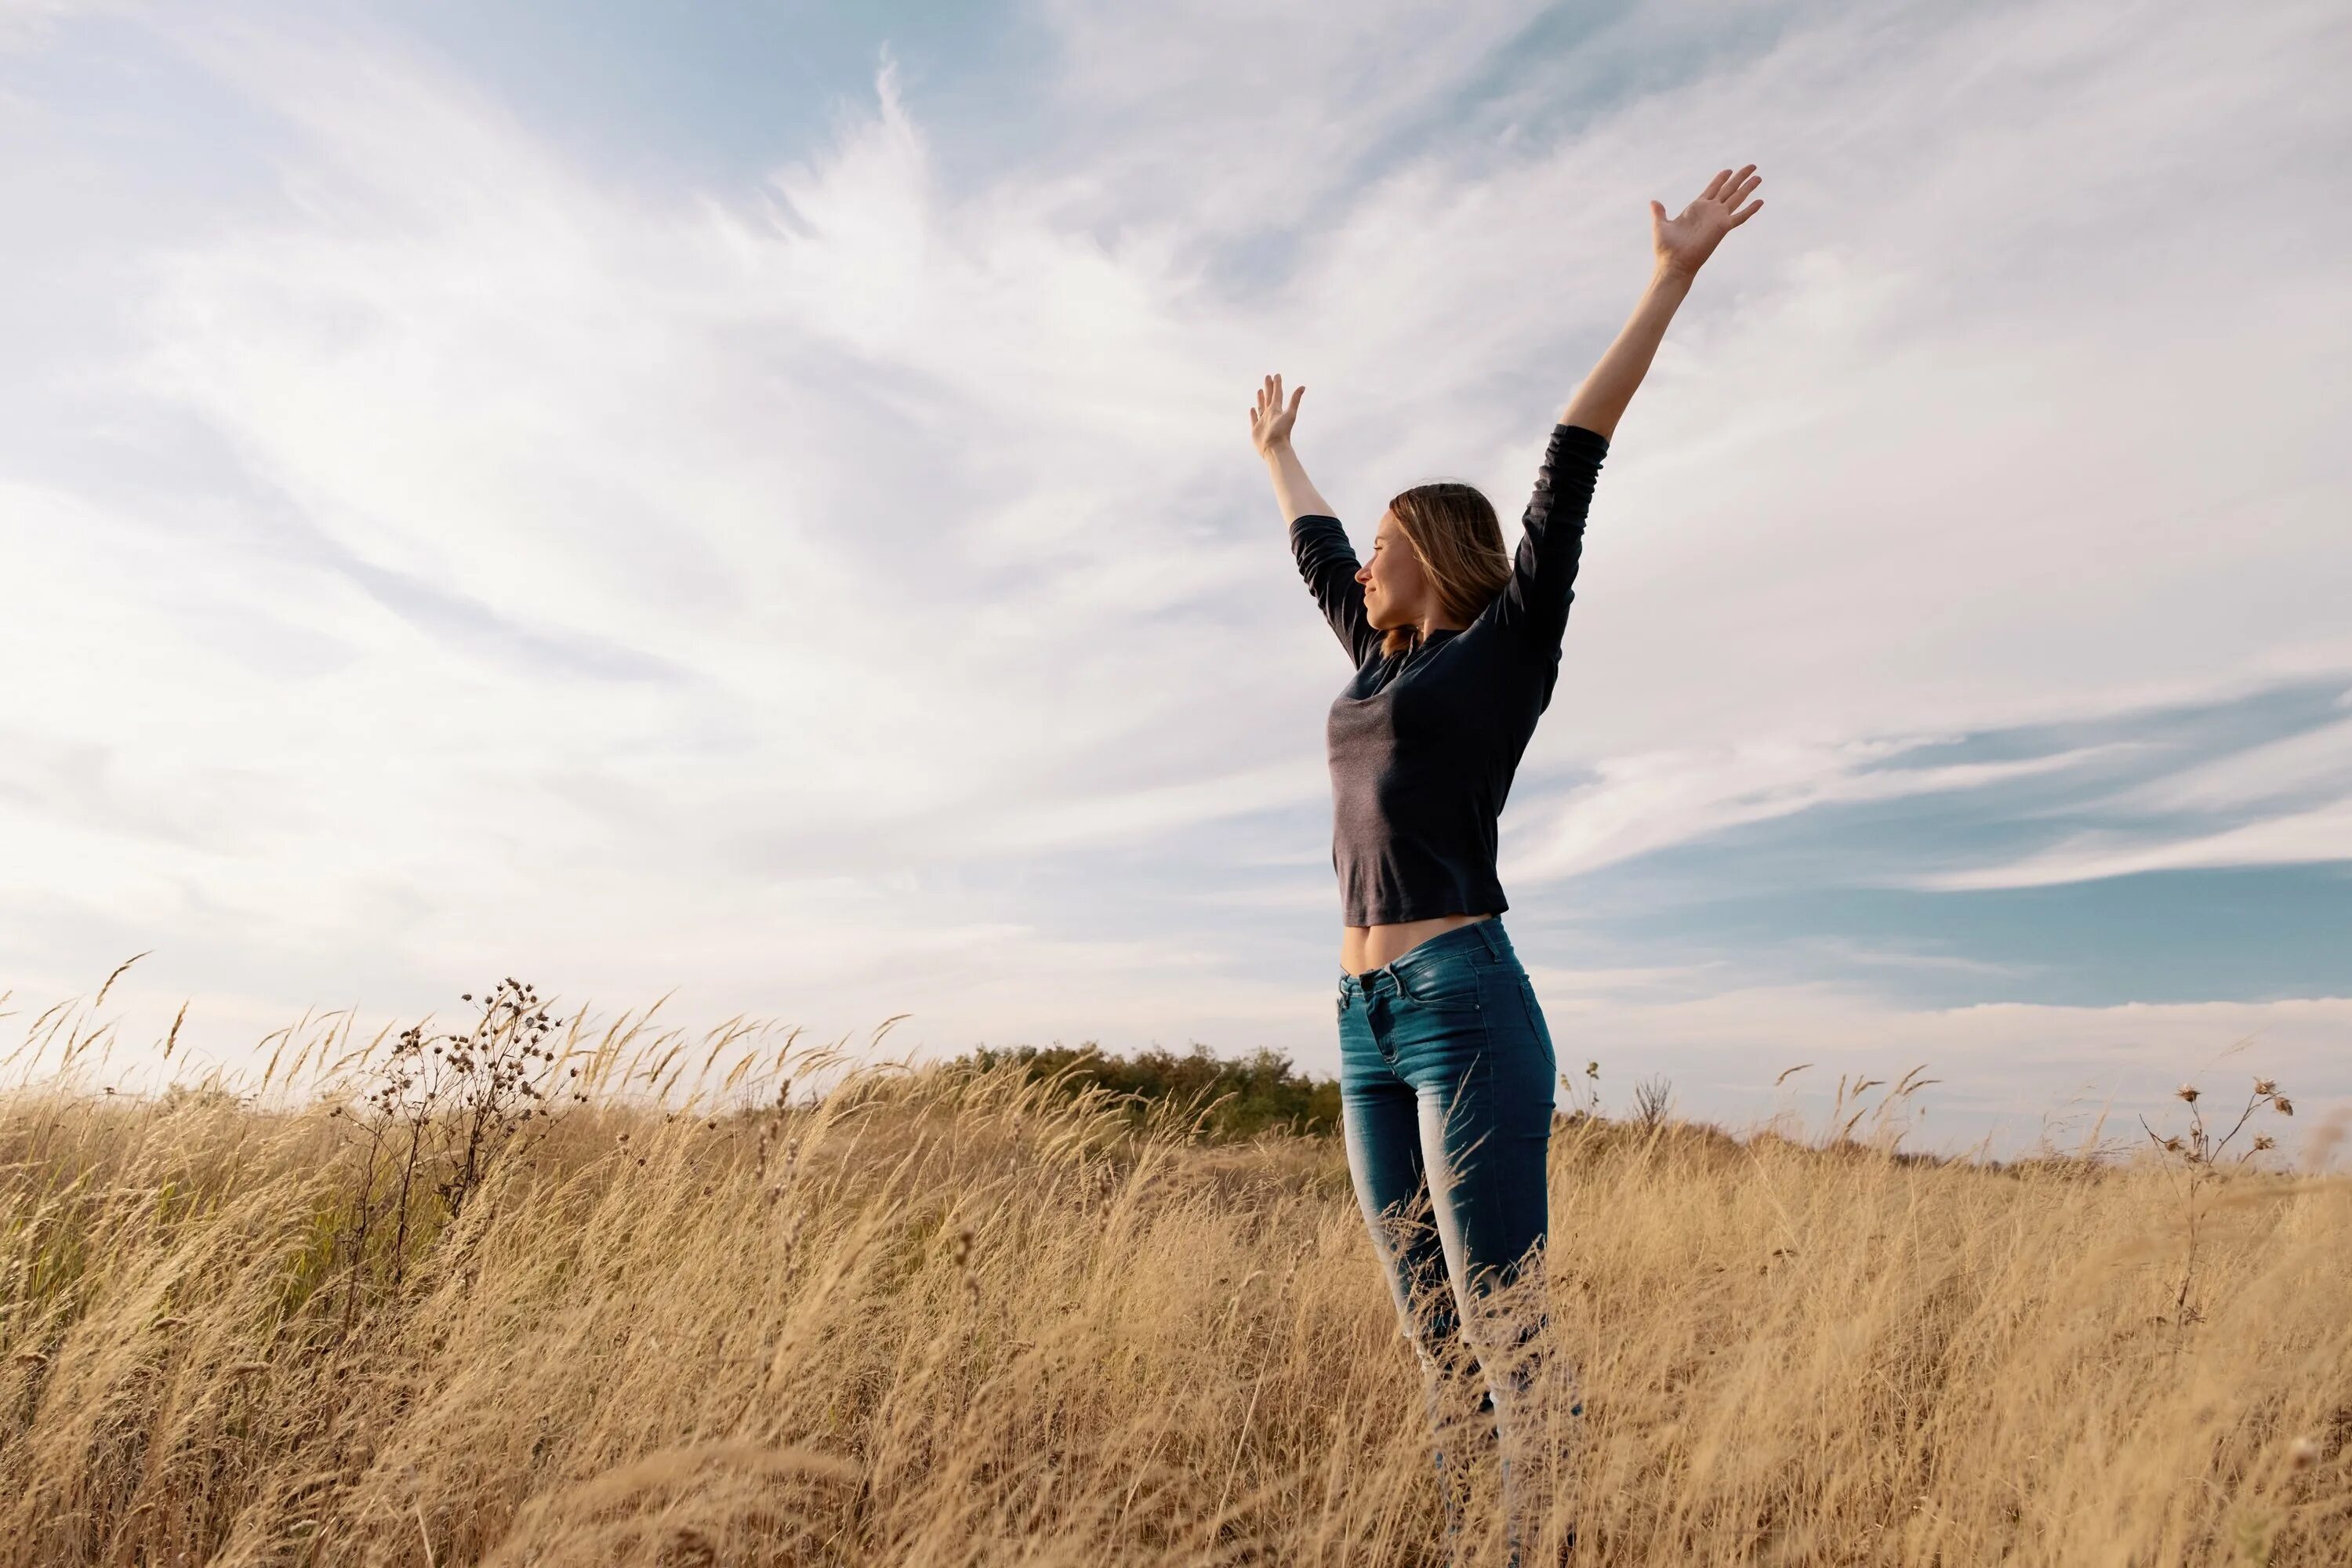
1254	1093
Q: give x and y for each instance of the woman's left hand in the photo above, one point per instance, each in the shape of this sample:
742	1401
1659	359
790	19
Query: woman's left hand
1683	242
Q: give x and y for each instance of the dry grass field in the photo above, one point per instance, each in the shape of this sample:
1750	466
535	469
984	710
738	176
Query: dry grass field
484	1298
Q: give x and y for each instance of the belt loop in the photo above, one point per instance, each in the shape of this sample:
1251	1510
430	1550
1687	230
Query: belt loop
1492	946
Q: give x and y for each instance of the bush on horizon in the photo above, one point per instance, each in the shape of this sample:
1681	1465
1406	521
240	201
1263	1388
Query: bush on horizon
1243	1096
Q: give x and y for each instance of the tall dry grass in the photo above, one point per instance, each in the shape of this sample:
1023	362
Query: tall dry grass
942	1319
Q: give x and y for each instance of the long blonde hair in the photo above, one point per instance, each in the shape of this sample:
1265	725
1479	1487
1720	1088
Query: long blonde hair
1453	530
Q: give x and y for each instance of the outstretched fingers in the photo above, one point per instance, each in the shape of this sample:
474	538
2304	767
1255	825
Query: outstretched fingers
1267	410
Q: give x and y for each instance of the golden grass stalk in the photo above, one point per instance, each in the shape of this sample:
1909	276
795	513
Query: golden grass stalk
955	1317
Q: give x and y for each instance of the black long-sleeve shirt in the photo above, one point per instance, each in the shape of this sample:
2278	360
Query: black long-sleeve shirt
1423	744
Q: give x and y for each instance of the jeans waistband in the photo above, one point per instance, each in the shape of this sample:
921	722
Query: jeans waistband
1487	934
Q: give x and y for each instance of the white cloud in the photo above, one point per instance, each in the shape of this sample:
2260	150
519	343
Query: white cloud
24	24
476	556
1653	799
2297	838
2004	1071
1217	118
2316	760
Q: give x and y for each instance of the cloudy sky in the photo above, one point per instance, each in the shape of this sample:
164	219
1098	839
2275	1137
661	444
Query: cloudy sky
752	501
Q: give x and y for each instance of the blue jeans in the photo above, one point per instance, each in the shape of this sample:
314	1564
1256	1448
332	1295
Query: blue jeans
1445	1087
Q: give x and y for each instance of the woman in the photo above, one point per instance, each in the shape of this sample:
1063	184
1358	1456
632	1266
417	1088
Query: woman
1446	1065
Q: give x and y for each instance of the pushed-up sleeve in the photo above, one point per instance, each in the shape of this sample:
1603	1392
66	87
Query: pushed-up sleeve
1328	563
1532	608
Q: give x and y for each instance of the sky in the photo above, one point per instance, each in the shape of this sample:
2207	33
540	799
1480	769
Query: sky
750	504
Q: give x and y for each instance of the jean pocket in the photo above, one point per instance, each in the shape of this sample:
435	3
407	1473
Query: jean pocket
1450	984
1535	1025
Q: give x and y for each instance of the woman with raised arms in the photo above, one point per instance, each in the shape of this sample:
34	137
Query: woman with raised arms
1446	1065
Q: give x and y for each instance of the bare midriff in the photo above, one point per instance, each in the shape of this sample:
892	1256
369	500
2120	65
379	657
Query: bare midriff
1366	948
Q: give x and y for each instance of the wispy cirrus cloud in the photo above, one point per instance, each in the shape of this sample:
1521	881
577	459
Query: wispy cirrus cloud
1654	800
2295	839
851	586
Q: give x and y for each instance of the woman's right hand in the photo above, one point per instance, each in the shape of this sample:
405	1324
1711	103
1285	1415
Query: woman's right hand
1685	240
1270	421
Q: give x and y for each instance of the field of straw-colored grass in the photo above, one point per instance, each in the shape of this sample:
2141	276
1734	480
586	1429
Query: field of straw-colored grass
942	1317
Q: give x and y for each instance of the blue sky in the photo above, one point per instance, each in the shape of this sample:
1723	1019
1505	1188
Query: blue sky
751	500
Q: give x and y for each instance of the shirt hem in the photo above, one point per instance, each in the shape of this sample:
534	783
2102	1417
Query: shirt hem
1380	918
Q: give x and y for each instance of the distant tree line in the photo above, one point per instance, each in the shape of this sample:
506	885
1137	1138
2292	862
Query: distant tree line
1255	1092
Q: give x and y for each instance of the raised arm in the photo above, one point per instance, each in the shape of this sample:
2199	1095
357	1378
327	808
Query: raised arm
1326	560
1270	422
1533	605
1681	245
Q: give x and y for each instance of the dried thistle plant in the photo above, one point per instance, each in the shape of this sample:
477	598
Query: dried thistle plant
440	1111
2198	1152
2199	1146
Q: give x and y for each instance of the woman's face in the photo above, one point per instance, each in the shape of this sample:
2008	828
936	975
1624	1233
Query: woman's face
1396	590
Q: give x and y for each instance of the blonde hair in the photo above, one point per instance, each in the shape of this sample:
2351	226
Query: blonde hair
1453	531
